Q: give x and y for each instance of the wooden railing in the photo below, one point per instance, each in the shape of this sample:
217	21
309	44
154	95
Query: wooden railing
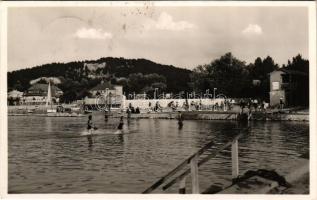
194	163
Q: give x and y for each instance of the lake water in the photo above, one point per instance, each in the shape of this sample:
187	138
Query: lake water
47	154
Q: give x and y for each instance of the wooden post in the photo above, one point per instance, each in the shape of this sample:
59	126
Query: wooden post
194	174
182	186
234	158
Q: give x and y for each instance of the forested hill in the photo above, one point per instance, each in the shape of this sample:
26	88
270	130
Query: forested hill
136	75
230	75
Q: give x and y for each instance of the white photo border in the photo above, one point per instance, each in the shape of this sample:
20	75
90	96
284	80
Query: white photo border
4	6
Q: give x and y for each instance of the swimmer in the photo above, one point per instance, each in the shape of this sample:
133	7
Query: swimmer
90	130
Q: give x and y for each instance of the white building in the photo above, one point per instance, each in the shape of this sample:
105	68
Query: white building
105	93
37	94
15	94
15	97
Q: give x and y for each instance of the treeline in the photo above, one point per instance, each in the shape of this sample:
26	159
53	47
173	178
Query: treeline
231	76
136	75
234	78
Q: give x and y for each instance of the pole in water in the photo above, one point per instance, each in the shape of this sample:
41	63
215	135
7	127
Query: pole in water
235	159
194	174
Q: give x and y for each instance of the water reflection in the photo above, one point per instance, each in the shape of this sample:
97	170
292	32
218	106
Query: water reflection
48	124
120	138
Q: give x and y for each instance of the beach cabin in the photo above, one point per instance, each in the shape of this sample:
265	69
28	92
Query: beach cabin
292	87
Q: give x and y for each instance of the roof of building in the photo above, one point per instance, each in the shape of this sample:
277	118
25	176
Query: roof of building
103	86
15	93
40	89
287	71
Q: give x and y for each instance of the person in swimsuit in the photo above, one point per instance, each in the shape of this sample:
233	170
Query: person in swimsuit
180	120
90	129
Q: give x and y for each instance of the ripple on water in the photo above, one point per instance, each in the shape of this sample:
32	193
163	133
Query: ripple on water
46	155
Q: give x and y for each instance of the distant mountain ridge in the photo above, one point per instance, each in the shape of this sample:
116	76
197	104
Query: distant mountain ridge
86	74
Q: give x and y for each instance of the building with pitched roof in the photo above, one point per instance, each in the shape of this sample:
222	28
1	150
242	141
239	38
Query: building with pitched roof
105	93
37	94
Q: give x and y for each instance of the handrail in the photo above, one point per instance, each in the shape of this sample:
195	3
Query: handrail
176	169
204	160
186	162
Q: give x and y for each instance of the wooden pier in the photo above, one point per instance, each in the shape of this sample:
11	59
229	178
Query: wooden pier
191	166
252	182
260	185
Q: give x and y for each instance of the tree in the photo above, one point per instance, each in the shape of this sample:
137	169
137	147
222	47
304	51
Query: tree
301	90
268	66
298	64
161	86
228	74
135	82
151	78
112	69
200	80
259	70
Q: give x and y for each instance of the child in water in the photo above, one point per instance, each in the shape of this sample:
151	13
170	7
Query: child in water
90	128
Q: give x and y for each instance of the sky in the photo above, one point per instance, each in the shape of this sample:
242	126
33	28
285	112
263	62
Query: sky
181	36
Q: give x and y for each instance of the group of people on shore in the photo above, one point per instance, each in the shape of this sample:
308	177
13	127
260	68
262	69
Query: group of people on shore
133	110
187	106
253	104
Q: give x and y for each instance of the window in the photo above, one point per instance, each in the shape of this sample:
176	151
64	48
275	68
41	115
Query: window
275	85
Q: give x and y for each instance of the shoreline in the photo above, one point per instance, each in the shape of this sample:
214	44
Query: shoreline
193	115
201	115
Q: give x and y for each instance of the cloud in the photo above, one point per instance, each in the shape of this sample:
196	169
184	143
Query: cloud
166	22
252	29
91	33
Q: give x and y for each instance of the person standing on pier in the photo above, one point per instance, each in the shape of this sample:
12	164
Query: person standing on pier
242	105
281	103
90	129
